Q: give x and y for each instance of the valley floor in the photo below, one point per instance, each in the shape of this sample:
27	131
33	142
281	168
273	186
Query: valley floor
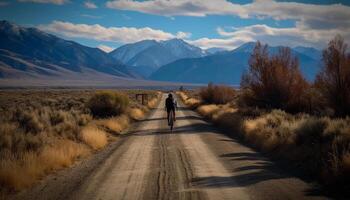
193	162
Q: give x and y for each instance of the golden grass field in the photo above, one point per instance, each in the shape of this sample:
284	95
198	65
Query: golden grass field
44	131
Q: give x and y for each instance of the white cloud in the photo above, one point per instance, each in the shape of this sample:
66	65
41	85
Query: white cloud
183	35
309	15
105	48
90	5
294	36
315	24
115	34
57	2
227	43
199	8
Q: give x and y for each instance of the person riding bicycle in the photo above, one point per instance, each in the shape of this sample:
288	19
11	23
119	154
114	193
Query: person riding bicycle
170	106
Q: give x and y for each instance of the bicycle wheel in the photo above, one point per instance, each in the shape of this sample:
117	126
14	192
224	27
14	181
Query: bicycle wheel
171	120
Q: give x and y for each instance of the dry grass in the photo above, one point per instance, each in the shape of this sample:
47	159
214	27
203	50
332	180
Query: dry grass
319	146
116	124
189	101
136	114
154	101
208	110
43	131
93	137
21	171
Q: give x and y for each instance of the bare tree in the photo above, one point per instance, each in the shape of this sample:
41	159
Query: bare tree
334	79
274	81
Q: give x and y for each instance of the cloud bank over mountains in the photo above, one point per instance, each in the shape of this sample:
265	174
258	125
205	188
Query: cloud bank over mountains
312	24
315	24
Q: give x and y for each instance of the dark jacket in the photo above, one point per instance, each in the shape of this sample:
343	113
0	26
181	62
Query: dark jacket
169	104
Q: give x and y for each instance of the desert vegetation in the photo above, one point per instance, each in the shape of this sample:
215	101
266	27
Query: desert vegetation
217	94
43	131
273	81
278	112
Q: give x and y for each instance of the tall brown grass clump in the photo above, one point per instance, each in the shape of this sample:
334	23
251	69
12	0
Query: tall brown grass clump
136	113
115	125
107	104
273	81
208	110
93	137
18	171
191	102
217	94
152	103
334	79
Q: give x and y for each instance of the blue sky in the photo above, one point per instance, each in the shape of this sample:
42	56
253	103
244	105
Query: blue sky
205	23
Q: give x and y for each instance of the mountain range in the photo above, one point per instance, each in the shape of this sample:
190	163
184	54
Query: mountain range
146	56
32	53
227	67
29	52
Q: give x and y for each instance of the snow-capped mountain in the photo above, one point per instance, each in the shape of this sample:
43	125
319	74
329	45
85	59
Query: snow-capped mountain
147	56
128	51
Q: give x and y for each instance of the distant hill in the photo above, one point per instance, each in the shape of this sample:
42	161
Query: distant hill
225	67
147	56
29	52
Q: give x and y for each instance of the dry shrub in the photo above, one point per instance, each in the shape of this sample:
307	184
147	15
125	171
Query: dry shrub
208	110
36	130
28	120
152	103
40	135
21	171
93	137
108	103
192	103
136	114
273	81
224	109
182	95
217	94
116	124
318	146
269	130
225	116
62	154
334	79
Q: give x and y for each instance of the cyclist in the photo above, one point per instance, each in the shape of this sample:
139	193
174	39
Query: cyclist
170	106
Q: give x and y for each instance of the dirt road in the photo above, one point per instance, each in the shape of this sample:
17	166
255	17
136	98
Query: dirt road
193	162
